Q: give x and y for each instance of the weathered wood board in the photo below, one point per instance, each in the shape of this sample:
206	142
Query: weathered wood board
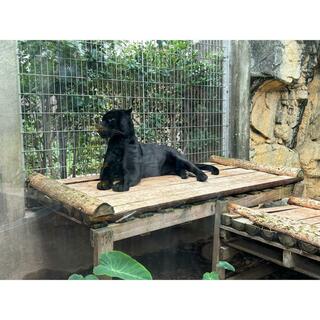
292	222
156	193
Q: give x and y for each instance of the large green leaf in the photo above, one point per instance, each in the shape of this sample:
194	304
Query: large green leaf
91	277
120	265
76	276
210	276
226	265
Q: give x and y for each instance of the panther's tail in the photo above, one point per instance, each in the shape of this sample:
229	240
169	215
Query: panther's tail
208	167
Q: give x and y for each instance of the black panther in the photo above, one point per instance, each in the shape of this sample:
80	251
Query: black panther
127	161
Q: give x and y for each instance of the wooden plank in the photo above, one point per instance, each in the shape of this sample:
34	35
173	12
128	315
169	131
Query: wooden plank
277	209
294	228
163	190
167	198
81	179
96	177
210	186
306	266
154	183
161	220
297	213
229	231
257	249
313	220
300	261
251	200
256	273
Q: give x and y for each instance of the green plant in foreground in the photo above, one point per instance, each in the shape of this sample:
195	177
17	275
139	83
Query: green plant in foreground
120	265
214	275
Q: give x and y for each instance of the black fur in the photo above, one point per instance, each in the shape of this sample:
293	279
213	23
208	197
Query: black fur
128	161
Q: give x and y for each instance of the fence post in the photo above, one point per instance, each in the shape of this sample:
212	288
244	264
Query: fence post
11	161
239	99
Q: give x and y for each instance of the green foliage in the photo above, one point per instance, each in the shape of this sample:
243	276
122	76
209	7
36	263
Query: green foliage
211	276
226	265
81	277
67	85
118	265
214	275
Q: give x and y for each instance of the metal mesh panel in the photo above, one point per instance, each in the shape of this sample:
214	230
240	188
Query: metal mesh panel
177	89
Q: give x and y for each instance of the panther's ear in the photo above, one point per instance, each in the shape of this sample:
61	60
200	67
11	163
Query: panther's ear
129	111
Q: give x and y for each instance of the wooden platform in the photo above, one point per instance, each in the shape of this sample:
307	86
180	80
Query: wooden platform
286	243
160	202
167	191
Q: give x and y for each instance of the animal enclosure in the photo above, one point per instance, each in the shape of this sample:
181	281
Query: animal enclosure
178	90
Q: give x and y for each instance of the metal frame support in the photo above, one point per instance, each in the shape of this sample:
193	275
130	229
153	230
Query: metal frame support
11	160
240	99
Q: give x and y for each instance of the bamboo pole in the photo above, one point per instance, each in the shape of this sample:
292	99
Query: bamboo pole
280	171
305	202
67	196
293	228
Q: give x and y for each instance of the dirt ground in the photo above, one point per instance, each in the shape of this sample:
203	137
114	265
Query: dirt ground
186	262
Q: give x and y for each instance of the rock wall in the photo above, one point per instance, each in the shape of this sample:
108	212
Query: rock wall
285	107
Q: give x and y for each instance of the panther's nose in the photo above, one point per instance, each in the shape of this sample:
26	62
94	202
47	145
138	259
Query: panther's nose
99	127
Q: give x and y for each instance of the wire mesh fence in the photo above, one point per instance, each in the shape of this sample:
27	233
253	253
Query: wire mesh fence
178	91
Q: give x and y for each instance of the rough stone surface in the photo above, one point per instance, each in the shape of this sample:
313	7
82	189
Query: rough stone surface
285	116
278	59
276	154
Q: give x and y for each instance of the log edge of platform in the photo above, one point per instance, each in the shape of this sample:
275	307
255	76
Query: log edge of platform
280	171
65	195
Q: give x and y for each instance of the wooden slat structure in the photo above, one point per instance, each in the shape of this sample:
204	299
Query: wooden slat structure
287	235
160	202
156	193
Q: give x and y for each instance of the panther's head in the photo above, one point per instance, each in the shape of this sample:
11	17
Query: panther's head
116	122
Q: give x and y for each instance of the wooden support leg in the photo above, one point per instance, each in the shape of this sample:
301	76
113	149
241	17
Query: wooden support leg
216	236
288	259
101	241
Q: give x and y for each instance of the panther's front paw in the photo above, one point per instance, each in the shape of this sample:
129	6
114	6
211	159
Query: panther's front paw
215	171
202	177
103	185
118	187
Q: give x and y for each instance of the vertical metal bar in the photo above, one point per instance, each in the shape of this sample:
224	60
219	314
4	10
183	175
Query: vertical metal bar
226	100
143	93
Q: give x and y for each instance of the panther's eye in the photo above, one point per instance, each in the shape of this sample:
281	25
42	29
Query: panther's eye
110	121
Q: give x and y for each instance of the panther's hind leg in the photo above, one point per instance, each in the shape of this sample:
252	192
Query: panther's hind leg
187	165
